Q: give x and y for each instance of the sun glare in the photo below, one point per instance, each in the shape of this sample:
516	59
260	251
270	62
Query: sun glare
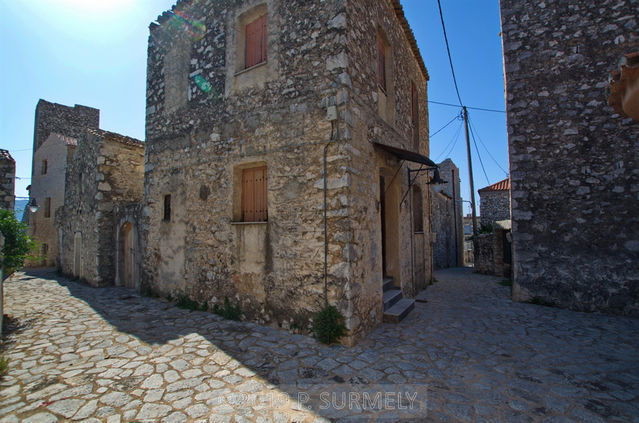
98	6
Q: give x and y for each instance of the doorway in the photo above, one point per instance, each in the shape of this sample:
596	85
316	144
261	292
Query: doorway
389	221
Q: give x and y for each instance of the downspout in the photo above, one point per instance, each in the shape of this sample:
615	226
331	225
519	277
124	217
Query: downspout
325	171
452	172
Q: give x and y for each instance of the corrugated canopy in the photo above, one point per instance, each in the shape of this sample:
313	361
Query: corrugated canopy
411	156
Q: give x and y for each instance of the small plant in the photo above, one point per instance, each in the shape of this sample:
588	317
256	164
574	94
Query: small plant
185	302
328	325
228	310
506	282
4	366
486	229
148	292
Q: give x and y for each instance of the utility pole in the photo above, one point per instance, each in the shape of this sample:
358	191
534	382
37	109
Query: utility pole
470	172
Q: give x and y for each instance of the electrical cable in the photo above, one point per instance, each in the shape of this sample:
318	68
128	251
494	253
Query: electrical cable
486	148
446	151
450	60
483	109
444	127
479	155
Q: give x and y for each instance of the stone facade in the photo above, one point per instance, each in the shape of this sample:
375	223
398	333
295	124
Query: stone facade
494	201
573	160
310	113
51	161
493	253
104	178
446	215
7	180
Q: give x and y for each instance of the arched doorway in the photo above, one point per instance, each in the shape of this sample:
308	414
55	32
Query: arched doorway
128	254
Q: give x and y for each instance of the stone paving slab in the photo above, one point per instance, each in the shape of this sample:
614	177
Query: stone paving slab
467	354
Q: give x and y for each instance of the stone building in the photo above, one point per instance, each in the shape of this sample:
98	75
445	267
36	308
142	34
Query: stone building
279	141
447	215
104	183
48	187
573	159
7	180
56	130
494	201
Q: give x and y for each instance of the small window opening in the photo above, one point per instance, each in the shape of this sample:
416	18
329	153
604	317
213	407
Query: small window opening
45	166
167	208
47	207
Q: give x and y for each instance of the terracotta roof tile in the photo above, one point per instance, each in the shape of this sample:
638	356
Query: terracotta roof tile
4	155
499	186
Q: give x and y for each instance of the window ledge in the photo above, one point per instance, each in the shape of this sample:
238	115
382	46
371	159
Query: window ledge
249	223
264	63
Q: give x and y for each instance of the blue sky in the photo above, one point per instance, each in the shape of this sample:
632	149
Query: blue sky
93	52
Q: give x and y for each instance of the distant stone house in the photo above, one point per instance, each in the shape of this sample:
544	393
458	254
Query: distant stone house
573	158
104	183
7	180
446	215
51	159
56	130
494	201
280	135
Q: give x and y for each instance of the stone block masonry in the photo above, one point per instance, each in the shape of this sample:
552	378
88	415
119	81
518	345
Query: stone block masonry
7	180
213	124
573	161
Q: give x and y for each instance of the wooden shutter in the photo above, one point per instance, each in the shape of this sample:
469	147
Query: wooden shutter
255	42
381	63
254	204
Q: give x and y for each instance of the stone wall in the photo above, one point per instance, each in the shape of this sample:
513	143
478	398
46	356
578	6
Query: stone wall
490	257
61	119
495	206
573	161
58	152
107	172
447	218
274	114
7	180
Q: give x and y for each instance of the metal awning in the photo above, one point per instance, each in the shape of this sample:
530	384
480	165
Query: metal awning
411	156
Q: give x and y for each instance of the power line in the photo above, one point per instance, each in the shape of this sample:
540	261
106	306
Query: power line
444	127
479	155
483	109
486	148
446	151
450	60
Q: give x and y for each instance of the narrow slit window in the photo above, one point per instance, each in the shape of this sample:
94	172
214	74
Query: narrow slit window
167	208
381	63
45	167
47	207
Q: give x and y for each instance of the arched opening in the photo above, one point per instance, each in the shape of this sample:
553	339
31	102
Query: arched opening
128	255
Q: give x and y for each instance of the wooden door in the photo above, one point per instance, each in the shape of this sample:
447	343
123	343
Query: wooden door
128	255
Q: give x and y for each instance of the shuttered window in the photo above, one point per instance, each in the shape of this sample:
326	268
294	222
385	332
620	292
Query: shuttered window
167	208
381	63
254	208
255	42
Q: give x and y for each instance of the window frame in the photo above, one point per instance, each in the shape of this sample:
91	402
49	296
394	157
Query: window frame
254	194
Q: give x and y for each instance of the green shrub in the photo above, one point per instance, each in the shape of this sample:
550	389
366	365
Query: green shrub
328	325
228	310
506	282
486	229
4	366
182	301
18	246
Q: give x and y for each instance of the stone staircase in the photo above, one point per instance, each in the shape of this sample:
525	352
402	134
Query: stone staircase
395	306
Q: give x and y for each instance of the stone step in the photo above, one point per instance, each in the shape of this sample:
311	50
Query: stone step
396	313
391	297
388	283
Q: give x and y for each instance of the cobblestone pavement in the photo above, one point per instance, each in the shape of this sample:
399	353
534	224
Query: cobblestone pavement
85	354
